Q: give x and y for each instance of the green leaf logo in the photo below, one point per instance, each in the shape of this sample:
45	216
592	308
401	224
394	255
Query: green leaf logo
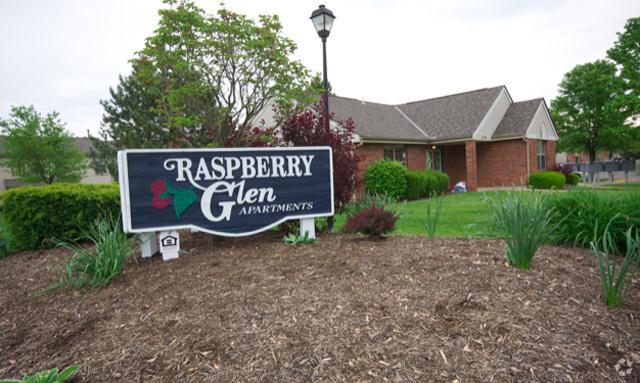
182	198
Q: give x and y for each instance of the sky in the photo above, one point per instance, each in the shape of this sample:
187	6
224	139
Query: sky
64	55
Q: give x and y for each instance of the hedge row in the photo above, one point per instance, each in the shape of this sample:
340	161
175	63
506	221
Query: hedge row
36	216
426	183
392	179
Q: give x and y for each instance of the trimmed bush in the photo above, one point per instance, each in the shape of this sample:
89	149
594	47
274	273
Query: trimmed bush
586	213
573	179
386	177
36	216
426	183
547	180
372	221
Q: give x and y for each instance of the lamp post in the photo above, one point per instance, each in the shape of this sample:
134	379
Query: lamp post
323	20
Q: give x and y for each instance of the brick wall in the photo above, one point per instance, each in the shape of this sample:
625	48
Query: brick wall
551	154
417	157
502	163
471	164
454	163
368	153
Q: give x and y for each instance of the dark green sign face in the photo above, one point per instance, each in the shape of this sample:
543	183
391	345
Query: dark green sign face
231	192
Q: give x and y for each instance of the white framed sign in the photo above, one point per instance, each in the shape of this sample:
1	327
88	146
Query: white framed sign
230	192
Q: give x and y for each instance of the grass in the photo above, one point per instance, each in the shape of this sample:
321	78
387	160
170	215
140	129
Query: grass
628	186
461	215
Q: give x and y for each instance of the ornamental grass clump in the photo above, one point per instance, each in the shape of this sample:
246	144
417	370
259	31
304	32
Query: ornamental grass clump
432	215
100	263
612	280
583	209
525	223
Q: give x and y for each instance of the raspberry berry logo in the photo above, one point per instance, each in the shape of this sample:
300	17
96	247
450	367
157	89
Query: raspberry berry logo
164	194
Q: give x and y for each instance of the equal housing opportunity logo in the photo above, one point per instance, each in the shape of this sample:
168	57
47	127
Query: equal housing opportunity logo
223	191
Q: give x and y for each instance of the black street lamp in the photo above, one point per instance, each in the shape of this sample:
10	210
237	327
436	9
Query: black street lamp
323	20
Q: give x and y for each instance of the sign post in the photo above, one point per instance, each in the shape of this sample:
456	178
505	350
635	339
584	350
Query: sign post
228	192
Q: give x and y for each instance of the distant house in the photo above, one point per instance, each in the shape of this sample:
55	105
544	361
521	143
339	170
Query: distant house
97	174
482	137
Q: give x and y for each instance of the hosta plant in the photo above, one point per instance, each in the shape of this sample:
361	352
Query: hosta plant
296	240
51	376
614	280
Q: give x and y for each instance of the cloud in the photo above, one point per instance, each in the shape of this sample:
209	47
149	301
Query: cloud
65	55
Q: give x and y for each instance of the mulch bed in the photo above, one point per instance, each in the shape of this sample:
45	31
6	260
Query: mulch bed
343	310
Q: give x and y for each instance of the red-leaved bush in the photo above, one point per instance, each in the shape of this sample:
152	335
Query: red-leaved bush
309	128
372	221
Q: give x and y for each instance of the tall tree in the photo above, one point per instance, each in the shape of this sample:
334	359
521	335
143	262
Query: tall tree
626	54
591	112
201	80
39	149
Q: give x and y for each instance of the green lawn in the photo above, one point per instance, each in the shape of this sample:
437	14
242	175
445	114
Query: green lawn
463	214
460	213
621	186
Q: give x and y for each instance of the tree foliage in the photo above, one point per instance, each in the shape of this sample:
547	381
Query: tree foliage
591	110
201	80
309	128
626	54
39	149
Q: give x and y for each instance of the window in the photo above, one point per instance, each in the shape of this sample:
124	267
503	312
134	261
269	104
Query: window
434	159
395	153
541	152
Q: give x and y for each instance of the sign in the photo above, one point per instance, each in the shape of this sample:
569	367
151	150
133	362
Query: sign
229	192
169	245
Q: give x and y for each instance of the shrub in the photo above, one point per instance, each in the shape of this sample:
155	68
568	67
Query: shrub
36	215
372	221
51	376
525	222
573	179
425	183
547	180
615	283
98	265
432	216
585	213
386	177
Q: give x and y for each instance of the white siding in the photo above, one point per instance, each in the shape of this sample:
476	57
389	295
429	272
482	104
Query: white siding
541	127
492	119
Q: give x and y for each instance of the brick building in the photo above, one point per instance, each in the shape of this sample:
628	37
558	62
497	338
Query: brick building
481	137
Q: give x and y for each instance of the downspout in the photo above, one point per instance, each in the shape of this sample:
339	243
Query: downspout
526	142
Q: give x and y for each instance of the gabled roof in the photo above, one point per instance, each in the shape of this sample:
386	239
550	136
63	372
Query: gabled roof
375	121
454	116
517	119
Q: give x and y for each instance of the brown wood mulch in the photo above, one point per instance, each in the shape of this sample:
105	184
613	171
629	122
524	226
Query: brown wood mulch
343	310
